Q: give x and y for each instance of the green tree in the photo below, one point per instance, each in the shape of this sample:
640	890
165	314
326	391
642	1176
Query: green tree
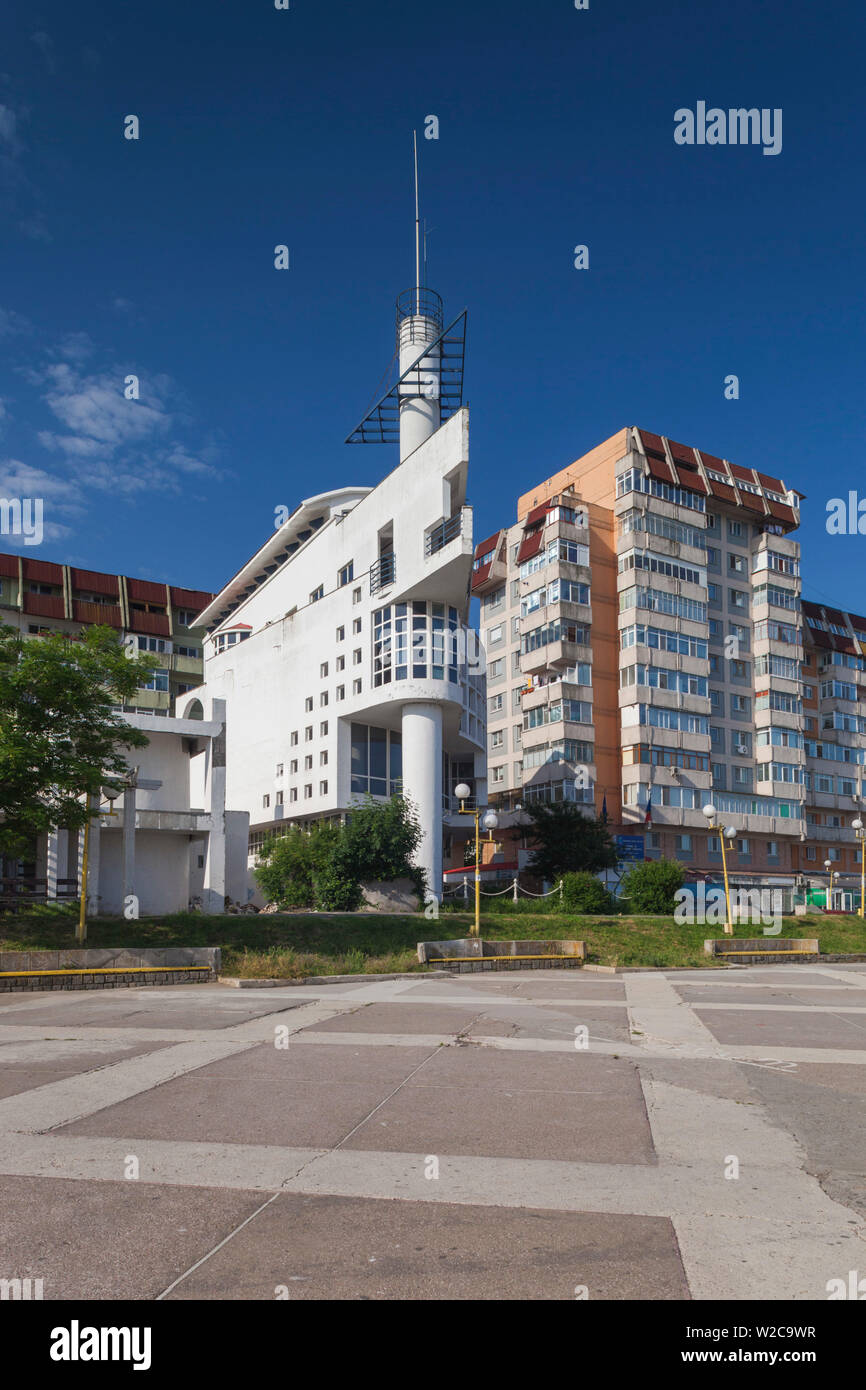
565	841
324	865
583	892
381	840
61	734
650	887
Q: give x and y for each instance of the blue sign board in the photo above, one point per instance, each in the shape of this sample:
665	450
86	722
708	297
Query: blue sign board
629	847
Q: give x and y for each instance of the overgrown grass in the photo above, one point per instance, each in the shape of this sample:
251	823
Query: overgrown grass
290	946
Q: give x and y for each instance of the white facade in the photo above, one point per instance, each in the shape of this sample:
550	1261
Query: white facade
167	841
343	655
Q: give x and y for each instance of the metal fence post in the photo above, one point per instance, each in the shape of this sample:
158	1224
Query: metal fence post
515	888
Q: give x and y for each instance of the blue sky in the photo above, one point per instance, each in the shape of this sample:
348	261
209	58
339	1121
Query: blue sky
259	127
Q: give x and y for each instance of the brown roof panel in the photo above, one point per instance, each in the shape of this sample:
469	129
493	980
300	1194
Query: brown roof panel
723	492
739	472
693	481
755	504
43	571
653	442
529	546
782	512
537	514
481	575
775	483
490	544
9	566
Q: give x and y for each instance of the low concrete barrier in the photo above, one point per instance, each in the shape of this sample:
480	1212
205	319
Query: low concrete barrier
473	953
762	950
108	967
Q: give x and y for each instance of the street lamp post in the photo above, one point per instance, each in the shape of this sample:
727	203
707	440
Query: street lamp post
490	820
111	794
726	833
828	865
860	831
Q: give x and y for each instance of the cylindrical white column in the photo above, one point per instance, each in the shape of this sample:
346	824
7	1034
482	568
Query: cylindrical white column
419	394
422	783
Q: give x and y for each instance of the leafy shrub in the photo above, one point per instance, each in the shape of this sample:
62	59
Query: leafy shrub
583	892
324	865
650	887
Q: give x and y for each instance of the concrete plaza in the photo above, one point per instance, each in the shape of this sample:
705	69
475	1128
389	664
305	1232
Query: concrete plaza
440	1137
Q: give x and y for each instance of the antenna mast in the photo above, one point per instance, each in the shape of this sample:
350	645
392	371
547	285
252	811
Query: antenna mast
417	231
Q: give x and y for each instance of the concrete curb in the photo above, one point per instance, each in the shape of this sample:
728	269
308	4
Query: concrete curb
237	982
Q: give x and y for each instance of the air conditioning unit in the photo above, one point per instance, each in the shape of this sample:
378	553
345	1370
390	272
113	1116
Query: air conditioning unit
743	749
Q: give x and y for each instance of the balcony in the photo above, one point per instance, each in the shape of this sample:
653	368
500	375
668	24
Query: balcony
44	605
154	624
442	534
84	612
383	573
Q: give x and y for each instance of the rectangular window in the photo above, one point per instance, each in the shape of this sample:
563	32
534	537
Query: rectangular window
346	574
341	692
356	595
317	594
293	738
308	733
293	767
266	800
279	800
323	729
323	789
293	794
341	633
356	687
323	670
356	625
308	703
341	663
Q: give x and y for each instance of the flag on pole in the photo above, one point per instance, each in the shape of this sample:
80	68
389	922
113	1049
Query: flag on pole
648	818
604	809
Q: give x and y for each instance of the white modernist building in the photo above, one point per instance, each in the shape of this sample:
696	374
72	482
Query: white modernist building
341	649
162	839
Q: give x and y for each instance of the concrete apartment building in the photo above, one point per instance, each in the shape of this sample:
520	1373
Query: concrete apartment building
38	596
645	643
342	649
834	731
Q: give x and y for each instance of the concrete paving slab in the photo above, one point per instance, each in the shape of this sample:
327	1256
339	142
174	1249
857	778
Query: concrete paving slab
26	1065
318	1064
96	1240
400	1018
117	1011
774	996
262	1109
335	1248
608	1023
479	1102
783	1029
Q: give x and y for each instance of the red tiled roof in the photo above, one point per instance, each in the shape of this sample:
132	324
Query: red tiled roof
537	514
739	472
781	511
723	492
481	575
490	544
755	504
529	546
692	480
